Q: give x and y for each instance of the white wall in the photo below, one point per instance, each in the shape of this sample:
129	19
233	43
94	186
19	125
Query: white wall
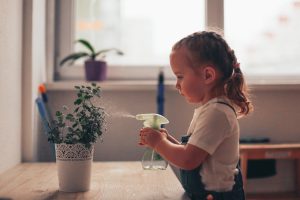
276	116
10	82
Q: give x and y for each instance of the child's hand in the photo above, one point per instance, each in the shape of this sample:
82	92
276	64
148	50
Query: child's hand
151	137
164	131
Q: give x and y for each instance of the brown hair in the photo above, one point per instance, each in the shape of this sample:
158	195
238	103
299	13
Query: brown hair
210	47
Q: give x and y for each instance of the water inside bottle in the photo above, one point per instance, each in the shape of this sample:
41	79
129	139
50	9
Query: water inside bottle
153	161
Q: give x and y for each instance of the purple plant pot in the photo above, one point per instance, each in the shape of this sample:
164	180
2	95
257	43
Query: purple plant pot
95	70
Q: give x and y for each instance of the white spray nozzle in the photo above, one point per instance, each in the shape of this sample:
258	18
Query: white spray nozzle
152	120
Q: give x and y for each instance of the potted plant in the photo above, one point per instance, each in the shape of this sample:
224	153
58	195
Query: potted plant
95	65
74	134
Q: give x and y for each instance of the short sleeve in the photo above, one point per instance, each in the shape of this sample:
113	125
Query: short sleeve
211	128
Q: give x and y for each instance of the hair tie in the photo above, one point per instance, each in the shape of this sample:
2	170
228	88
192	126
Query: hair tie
236	66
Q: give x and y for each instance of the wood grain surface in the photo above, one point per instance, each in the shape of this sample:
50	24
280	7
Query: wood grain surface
110	181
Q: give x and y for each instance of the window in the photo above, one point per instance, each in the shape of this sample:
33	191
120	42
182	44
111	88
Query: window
265	35
144	30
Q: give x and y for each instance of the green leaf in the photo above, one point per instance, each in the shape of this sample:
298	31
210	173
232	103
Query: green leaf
69	116
104	51
73	57
77	101
77	87
58	113
87	45
76	110
86	97
74	125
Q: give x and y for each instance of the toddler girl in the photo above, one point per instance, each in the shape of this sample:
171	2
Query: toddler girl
208	74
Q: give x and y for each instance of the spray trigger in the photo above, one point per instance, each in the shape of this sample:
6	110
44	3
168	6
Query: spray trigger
152	120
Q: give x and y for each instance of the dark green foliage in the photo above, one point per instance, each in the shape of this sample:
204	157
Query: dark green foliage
85	124
90	54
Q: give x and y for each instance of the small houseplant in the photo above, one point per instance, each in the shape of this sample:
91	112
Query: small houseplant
74	134
95	64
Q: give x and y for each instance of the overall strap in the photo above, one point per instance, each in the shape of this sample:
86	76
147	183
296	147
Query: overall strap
227	104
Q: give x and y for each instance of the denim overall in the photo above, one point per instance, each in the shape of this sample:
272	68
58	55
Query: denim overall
192	183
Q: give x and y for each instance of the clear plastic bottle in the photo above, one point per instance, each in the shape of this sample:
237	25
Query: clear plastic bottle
152	160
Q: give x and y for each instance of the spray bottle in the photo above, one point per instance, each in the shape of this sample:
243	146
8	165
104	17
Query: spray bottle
152	160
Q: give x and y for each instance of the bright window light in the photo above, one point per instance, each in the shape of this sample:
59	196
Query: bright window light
144	30
265	35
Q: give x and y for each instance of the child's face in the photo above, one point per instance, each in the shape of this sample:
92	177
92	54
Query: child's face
190	81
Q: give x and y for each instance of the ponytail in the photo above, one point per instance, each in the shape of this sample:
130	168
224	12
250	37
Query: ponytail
236	90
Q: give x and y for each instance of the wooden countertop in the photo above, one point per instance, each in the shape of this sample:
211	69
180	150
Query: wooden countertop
110	181
270	151
270	146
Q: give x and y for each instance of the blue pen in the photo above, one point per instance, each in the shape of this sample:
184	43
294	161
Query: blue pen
160	94
42	91
45	120
43	113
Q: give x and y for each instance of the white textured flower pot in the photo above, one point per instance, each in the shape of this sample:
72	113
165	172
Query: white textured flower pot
74	165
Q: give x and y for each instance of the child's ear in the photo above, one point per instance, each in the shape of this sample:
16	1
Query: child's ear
209	74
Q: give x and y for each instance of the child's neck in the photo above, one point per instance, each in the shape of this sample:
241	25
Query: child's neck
212	95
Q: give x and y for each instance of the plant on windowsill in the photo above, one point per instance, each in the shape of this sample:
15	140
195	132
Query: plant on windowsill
74	134
95	64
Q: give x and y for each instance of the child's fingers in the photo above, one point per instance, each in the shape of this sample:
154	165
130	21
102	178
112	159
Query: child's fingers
164	131
142	141
143	132
147	129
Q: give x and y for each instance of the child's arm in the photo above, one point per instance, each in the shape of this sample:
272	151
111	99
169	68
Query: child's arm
187	157
170	137
183	156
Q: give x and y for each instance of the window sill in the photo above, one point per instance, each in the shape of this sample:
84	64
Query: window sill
111	85
139	85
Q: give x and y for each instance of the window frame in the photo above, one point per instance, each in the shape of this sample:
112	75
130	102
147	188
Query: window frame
60	39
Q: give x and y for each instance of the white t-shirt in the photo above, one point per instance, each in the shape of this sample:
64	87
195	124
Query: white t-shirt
215	129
